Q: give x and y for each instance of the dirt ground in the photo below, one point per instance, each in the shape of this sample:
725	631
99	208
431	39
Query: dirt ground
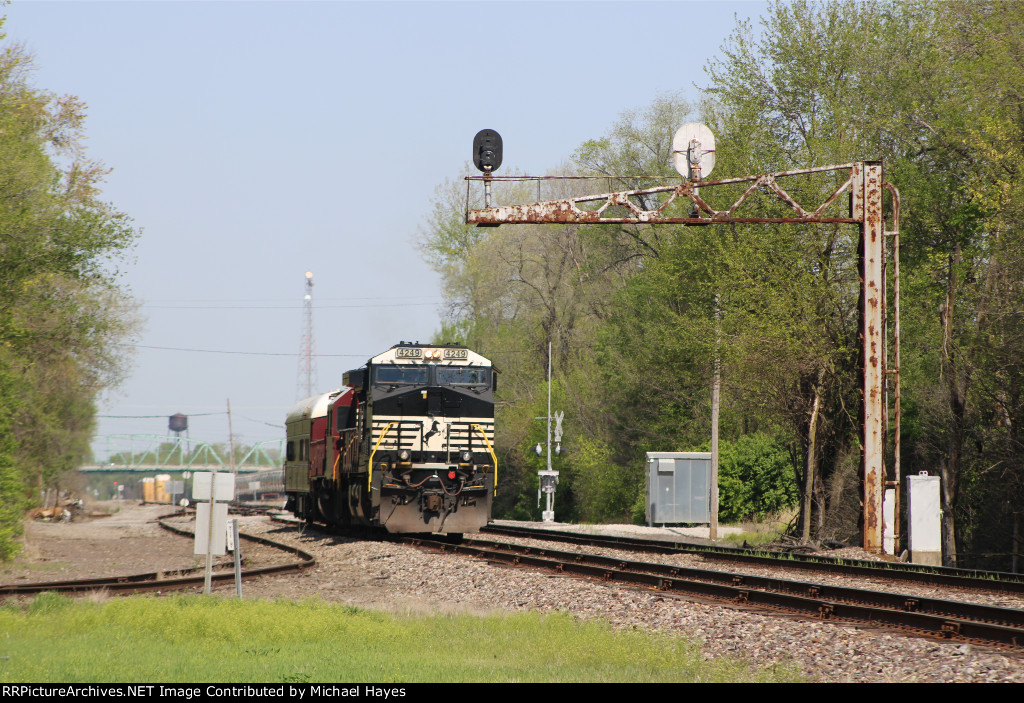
126	541
119	538
129	541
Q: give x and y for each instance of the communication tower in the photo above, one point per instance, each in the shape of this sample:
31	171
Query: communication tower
307	348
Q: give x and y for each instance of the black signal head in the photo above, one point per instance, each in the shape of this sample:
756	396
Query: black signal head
487	150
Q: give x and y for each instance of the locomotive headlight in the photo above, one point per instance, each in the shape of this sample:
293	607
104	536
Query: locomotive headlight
467	456
405	455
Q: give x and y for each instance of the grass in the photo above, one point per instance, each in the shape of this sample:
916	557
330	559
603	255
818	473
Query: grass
757	534
752	539
193	638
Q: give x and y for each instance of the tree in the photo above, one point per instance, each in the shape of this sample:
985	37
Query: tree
984	304
825	83
62	317
934	90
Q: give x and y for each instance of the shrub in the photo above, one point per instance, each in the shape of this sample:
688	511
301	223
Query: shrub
755	478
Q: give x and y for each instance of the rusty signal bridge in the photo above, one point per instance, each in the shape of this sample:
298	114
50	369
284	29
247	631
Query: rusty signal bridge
860	185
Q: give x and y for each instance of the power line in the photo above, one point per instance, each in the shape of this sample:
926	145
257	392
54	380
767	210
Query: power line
146	417
336	356
191	301
262	422
283	307
247	353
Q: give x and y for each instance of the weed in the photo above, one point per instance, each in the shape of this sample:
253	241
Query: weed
48	602
188	638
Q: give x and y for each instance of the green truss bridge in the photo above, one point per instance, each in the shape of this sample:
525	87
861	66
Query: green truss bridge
147	453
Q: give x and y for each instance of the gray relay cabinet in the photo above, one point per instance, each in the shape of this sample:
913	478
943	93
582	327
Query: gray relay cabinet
678	487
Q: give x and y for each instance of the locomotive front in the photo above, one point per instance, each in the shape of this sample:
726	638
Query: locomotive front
429	437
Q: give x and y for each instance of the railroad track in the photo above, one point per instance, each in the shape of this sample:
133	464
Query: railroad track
167	580
969	579
953	620
968	622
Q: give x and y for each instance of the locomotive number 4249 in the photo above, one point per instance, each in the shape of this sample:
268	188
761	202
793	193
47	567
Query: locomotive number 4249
417	353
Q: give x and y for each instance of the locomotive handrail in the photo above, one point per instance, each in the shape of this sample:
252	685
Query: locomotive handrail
369	477
343	452
491	450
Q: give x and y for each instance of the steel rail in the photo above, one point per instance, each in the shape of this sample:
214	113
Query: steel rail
981	624
165	580
934	617
932	575
898	601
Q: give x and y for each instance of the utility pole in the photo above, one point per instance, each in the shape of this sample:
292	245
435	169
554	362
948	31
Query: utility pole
231	440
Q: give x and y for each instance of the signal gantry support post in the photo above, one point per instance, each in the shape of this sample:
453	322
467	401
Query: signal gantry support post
867	203
862	181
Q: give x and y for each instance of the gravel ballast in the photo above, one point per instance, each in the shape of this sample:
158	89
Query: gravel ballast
400	578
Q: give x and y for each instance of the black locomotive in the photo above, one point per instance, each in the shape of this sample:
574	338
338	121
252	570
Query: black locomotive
406	444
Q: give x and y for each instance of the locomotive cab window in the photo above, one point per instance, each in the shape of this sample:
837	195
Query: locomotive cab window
401	375
290	451
463	375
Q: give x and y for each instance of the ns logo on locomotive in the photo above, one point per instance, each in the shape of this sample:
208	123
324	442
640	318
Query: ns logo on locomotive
406	444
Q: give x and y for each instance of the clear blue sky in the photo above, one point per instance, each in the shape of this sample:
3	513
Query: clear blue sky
253	141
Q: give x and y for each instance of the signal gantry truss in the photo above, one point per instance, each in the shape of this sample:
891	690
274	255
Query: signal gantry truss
863	181
569	210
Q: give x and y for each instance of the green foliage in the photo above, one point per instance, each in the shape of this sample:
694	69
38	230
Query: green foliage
12	489
755	478
188	638
639	315
49	603
752	539
638	513
61	314
12	504
604	491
